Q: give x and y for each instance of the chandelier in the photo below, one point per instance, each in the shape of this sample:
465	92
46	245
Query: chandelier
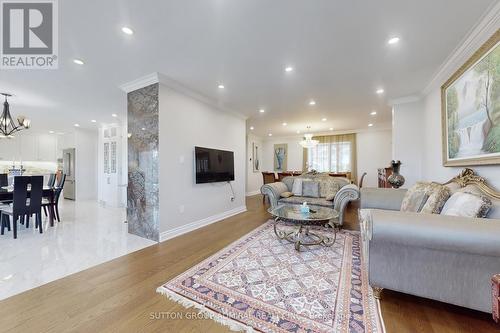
7	124
308	141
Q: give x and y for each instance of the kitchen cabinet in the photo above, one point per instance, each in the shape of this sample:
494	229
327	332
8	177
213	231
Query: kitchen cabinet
29	147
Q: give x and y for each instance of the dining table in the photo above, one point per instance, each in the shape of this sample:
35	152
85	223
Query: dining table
7	194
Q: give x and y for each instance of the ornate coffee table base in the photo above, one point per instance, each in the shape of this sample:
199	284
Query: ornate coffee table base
300	236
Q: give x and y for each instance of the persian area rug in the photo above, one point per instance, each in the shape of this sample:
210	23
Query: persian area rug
262	284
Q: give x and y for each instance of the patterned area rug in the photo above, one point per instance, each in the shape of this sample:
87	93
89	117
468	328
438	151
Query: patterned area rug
262	284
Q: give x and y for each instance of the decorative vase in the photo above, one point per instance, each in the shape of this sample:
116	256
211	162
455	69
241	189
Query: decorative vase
396	179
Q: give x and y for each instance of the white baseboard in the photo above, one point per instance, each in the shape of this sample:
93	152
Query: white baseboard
169	234
249	194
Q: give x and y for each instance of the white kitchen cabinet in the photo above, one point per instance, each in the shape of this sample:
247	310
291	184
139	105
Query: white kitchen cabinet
27	148
46	148
9	149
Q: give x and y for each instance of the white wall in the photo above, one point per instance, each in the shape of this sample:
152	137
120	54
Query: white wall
424	125
86	164
295	153
433	168
373	152
254	179
185	123
408	140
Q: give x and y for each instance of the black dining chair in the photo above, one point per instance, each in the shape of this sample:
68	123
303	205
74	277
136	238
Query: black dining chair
54	207
4	179
52	180
21	207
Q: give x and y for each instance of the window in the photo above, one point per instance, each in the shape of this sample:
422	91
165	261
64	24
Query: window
336	153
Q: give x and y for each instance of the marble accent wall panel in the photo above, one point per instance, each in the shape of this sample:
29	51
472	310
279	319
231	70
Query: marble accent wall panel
143	188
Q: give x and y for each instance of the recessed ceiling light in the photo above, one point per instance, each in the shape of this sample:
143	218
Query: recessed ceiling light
380	91
288	69
51	132
373	113
324	119
370	125
270	134
331	128
144	128
298	132
77	125
262	110
251	128
220	86
284	124
78	61
128	31
312	102
114	115
94	121
393	40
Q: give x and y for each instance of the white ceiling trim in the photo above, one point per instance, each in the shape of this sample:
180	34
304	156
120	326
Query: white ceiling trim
139	83
177	87
479	34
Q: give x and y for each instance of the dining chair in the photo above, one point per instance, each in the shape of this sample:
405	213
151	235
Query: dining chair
282	175
361	180
54	206
4	179
52	180
267	177
22	207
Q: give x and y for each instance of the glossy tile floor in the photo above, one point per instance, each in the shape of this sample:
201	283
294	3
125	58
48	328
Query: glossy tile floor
87	235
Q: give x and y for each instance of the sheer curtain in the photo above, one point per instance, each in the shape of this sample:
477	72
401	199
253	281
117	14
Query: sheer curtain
334	153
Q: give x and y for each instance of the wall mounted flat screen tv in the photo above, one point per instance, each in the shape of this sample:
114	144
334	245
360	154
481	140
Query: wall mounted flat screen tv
213	165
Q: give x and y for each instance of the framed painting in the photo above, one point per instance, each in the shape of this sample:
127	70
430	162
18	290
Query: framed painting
470	109
255	157
280	156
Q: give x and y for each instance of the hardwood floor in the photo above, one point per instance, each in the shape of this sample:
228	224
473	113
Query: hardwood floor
119	296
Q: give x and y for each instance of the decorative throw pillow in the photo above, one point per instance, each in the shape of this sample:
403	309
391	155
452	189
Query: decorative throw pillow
438	194
310	189
297	186
286	194
467	205
330	197
328	187
415	197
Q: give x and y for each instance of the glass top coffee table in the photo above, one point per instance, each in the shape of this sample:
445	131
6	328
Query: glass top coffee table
302	234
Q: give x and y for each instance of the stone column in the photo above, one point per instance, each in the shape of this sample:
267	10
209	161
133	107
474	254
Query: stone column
143	189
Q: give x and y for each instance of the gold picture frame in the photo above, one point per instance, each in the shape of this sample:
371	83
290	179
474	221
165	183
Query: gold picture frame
468	115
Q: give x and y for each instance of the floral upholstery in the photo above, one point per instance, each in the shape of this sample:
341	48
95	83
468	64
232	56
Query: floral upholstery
415	198
437	196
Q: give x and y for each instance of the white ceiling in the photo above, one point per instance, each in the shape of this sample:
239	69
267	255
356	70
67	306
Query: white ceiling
338	49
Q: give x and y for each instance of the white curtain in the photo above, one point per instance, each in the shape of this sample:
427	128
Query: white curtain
334	153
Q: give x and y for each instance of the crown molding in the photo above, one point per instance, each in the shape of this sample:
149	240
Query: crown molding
139	83
176	86
477	36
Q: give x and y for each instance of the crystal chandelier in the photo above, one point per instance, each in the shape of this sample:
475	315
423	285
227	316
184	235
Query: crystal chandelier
308	142
7	124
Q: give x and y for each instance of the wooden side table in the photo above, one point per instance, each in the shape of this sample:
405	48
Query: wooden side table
495	287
